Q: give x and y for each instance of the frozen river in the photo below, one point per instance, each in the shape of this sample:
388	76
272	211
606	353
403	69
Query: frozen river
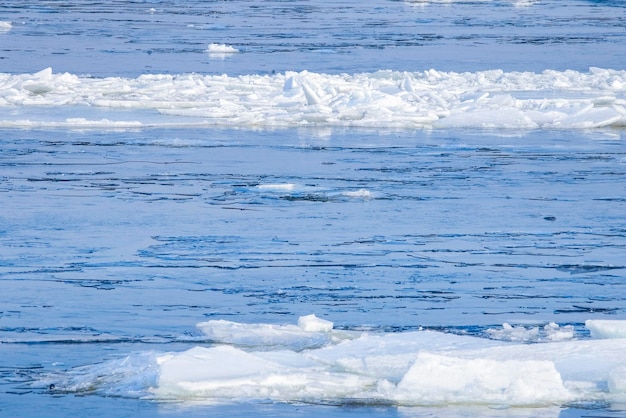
184	184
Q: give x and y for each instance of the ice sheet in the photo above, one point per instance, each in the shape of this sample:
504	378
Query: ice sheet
384	99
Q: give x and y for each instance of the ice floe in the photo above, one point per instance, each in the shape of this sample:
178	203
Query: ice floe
315	362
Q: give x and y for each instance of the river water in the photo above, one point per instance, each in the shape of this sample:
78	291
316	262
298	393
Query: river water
126	223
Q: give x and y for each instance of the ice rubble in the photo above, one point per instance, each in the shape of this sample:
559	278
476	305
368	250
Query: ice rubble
383	99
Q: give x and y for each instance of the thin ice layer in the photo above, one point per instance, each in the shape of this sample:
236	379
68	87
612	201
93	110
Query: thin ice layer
383	99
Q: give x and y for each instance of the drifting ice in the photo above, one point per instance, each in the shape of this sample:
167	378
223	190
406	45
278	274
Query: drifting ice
314	362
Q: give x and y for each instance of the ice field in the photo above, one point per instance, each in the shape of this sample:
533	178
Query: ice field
313	208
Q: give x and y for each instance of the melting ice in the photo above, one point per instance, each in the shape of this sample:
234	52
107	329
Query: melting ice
383	99
315	362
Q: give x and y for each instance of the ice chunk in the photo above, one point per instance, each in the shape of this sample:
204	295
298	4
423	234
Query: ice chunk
44	74
440	379
40	82
512	333
209	369
605	328
228	372
290	84
311	96
130	376
221	49
311	332
555	332
617	382
312	323
550	332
